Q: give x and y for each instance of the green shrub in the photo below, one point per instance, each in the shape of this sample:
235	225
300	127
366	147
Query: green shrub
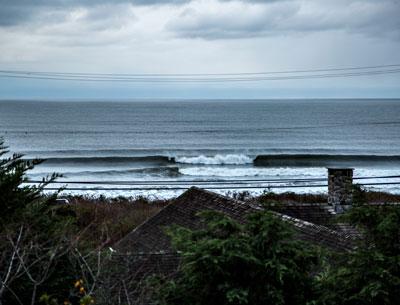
34	240
370	274
230	263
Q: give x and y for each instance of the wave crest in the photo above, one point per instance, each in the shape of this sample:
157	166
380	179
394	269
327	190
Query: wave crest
230	159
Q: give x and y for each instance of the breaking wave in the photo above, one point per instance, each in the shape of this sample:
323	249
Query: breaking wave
154	172
323	160
255	172
229	159
272	160
114	159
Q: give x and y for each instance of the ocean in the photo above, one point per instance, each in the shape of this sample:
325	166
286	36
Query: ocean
159	142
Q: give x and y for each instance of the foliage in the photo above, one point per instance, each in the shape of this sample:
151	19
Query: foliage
371	274
33	234
45	246
106	221
78	296
230	263
16	199
259	262
380	223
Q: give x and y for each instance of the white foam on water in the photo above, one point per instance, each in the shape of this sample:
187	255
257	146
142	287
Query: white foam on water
244	172
230	159
168	194
234	172
150	194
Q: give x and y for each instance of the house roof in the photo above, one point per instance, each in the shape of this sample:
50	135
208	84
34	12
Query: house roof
150	237
147	249
317	213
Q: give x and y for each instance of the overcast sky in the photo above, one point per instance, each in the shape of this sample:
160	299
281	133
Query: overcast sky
205	36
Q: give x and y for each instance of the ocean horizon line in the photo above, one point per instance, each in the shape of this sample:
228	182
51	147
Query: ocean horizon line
178	99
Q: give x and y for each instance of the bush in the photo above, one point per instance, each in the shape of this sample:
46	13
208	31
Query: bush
371	274
33	235
230	263
18	200
45	247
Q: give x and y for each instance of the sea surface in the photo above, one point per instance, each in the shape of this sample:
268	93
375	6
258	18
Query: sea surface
155	143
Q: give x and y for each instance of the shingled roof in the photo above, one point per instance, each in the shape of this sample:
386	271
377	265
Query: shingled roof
147	250
317	213
150	237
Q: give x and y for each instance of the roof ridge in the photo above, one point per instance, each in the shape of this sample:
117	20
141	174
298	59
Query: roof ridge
297	221
196	199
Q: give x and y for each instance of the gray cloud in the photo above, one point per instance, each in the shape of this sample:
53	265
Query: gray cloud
60	20
20	12
124	36
234	20
16	12
266	18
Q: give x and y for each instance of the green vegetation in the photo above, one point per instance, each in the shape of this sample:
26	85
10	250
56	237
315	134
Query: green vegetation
229	263
260	263
57	254
52	253
371	274
104	221
33	235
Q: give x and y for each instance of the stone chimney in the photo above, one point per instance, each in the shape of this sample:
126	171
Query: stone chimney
340	188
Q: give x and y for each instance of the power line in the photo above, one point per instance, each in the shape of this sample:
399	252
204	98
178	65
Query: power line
376	177
208	187
220	181
198	74
143	79
180	188
205	80
166	185
182	182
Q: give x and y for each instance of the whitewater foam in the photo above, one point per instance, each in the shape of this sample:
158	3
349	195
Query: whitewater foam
230	159
235	172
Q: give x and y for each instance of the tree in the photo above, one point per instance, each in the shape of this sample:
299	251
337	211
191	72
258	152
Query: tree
370	274
258	262
15	197
33	233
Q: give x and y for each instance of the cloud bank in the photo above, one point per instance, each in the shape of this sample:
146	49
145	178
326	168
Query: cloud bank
200	36
213	19
237	19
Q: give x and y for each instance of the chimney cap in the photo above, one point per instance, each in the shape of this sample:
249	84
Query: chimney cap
340	168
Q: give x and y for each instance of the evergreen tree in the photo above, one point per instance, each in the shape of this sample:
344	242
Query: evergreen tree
230	263
370	274
33	235
16	198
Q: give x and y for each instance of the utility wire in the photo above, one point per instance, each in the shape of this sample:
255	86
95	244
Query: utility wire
209	187
183	182
376	177
198	80
179	188
232	184
205	80
198	74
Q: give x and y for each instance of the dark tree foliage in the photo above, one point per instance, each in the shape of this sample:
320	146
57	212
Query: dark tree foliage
33	235
16	199
230	263
371	274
